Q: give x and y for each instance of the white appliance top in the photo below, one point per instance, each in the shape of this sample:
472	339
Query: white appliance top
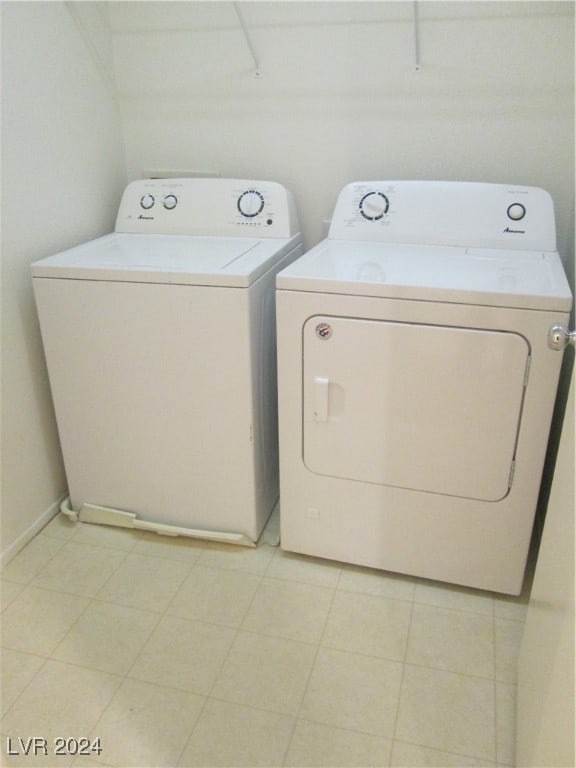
524	279
177	259
483	244
224	232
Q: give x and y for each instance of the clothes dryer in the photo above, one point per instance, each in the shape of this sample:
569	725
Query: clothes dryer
160	345
416	381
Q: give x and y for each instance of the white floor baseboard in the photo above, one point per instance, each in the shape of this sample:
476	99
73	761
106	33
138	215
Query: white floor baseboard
12	550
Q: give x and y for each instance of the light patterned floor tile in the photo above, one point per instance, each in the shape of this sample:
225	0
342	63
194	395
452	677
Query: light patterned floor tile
107	637
138	583
147	725
79	569
9	591
448	712
232	735
39	619
32	558
172	547
307	570
17	670
319	745
61	527
376	626
455	597
234	558
289	609
508	638
215	595
514	608
458	641
413	756
112	536
265	672
347	690
506	723
259	678
369	581
184	654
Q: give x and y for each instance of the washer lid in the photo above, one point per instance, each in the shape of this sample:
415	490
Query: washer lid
181	259
504	278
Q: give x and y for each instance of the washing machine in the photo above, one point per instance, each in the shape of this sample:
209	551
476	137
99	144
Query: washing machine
160	345
417	382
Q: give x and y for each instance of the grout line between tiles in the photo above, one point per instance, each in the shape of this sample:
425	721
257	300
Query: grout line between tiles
448	752
404	662
208	696
46	659
312	666
495	659
126	676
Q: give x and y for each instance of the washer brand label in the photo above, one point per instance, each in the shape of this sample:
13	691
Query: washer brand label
323	330
515	231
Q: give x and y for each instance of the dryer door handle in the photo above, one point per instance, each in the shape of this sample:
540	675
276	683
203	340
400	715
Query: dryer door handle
560	337
321	385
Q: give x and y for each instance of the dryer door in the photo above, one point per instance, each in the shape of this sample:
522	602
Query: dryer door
430	408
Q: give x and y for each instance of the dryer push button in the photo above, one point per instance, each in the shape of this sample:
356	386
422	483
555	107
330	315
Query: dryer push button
516	211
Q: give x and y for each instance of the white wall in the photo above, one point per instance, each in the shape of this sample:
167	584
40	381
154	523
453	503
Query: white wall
63	170
340	100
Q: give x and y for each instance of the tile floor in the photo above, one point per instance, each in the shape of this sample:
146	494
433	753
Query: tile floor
175	652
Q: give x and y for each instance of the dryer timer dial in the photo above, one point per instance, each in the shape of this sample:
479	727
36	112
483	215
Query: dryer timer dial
250	203
374	205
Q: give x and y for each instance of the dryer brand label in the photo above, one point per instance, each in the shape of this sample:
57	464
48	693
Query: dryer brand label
515	231
323	330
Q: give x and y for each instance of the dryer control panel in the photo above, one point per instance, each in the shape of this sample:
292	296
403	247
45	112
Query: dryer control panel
208	206
474	215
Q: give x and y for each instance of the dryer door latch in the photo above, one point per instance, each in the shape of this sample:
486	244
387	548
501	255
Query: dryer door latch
560	337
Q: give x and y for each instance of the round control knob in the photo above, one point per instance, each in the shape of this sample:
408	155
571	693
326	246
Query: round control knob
250	203
516	211
374	205
170	202
147	201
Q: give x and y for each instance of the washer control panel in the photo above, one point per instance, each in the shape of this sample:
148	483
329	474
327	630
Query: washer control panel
209	206
446	213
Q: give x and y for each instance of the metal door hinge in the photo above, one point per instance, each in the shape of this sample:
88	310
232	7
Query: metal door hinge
560	337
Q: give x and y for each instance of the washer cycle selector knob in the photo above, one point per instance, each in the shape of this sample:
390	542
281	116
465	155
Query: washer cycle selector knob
374	205
170	202
250	203
147	201
516	211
